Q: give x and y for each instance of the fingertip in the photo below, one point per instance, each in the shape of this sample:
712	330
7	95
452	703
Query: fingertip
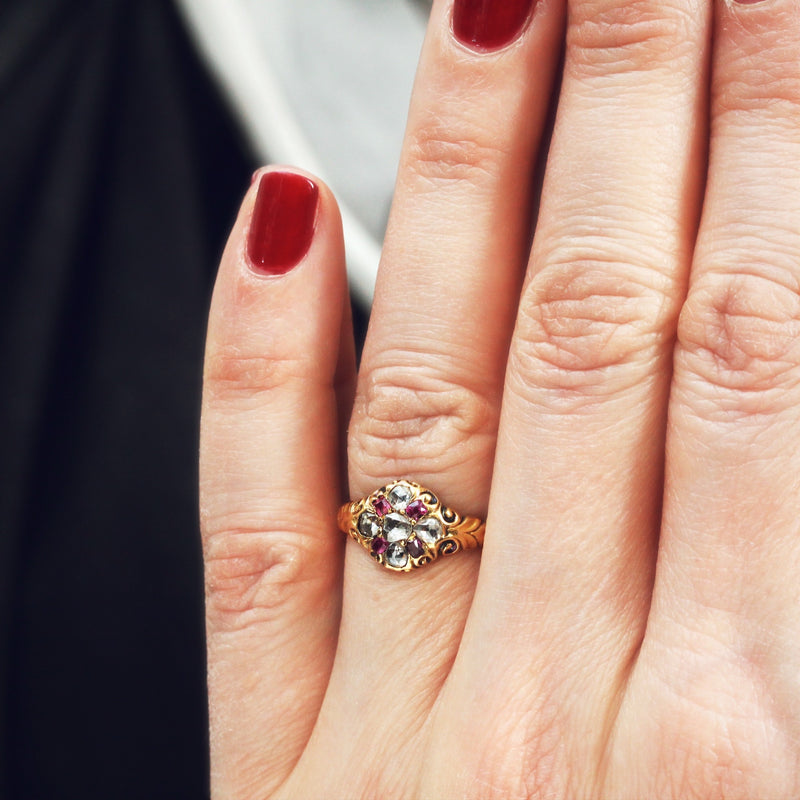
284	258
283	221
285	210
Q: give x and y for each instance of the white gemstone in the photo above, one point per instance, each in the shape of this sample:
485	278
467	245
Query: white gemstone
400	496
369	525
396	555
429	529
396	527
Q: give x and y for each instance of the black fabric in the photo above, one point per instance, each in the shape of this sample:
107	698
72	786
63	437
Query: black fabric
120	173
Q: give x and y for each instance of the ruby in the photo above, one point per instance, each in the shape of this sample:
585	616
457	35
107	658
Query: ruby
415	548
381	506
416	510
379	545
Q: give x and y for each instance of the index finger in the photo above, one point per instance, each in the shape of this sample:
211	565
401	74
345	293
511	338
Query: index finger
270	478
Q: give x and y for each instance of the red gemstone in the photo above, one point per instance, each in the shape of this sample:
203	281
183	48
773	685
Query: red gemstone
415	548
381	506
416	510
379	545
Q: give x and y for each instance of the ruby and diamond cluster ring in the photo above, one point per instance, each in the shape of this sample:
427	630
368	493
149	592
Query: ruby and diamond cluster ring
405	526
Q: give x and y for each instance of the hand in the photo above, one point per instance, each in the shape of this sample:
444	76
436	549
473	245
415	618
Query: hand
620	400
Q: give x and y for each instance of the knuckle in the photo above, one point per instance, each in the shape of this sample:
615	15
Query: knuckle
530	763
738	340
778	98
717	736
404	418
611	36
252	572
765	80
230	374
695	767
440	153
588	327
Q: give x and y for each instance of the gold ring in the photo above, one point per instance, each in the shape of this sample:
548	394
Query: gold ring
404	526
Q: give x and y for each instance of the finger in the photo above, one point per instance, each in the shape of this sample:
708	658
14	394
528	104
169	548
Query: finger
431	375
726	610
457	241
573	519
278	345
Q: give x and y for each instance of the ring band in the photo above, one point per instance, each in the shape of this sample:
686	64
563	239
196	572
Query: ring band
404	526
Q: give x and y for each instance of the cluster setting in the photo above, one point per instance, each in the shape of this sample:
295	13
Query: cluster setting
401	526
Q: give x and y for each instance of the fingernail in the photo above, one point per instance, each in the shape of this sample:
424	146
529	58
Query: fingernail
283	221
490	24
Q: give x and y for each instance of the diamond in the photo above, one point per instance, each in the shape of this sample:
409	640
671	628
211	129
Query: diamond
396	555
415	548
400	496
416	510
396	527
429	530
369	525
379	545
381	506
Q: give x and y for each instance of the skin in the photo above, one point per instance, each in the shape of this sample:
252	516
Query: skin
620	400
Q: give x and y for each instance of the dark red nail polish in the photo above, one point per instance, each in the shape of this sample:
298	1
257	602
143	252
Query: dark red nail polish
282	225
490	24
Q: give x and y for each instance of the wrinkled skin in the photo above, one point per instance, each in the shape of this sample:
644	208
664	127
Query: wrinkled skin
620	399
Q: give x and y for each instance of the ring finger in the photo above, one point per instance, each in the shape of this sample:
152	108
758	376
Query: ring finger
431	377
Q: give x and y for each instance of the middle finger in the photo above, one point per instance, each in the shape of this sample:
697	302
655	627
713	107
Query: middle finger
573	519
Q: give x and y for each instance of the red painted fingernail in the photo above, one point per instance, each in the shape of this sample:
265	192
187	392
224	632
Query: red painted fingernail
490	24
282	225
